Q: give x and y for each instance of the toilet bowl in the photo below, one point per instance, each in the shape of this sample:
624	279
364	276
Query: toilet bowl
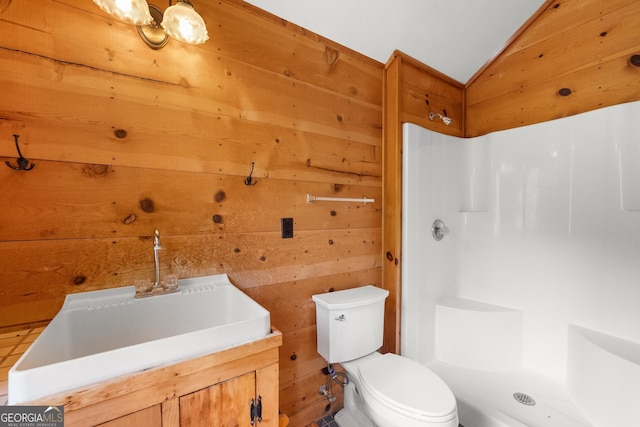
384	390
393	391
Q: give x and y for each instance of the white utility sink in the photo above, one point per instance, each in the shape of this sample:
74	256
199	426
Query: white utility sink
104	334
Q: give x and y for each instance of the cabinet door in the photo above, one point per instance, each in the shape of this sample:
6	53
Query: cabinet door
267	386
222	405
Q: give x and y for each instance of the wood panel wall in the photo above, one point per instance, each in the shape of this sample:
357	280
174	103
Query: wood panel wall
576	56
126	139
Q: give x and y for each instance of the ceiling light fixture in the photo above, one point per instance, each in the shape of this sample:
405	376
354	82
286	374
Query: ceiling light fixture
180	21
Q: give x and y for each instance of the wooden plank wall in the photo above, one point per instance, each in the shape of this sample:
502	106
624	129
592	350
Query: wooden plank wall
126	139
576	56
424	90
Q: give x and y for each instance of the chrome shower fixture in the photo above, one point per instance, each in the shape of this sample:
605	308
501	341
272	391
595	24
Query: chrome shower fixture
446	120
439	230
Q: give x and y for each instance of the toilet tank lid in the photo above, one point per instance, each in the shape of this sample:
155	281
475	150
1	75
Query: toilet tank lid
350	298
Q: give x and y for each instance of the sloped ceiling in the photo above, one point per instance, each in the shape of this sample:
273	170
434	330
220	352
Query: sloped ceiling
456	37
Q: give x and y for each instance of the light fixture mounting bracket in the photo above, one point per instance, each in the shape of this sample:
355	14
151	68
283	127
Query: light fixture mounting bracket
153	35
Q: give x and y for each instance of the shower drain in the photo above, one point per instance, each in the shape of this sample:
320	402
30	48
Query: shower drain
525	399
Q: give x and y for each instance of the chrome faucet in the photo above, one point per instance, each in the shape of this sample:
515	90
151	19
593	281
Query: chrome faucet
170	285
439	230
156	257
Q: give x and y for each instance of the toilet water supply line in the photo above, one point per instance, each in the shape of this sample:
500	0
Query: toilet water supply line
339	377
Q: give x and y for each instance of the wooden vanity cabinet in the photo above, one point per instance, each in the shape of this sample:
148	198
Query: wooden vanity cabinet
213	390
147	417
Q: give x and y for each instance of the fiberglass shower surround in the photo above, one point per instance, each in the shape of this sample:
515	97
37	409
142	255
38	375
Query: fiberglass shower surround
544	227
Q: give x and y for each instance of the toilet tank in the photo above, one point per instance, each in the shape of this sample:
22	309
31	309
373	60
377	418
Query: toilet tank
349	323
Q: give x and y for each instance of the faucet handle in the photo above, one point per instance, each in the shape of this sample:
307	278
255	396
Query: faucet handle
143	286
439	230
170	283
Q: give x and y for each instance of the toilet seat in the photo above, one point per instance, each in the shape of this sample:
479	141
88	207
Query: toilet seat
407	387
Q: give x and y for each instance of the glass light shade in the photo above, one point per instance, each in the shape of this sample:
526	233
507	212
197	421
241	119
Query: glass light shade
183	23
131	11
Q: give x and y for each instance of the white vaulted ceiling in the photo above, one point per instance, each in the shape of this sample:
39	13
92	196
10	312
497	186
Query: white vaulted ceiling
456	37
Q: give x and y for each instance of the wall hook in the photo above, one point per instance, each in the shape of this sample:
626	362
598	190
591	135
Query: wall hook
23	163
248	180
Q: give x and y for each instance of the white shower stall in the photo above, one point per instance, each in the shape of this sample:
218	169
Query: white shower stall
530	307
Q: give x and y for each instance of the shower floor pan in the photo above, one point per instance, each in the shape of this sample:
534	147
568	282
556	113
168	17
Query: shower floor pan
486	398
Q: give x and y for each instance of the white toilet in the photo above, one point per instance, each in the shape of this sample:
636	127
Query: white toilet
384	390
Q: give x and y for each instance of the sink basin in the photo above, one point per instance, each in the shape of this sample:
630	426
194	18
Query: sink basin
103	334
